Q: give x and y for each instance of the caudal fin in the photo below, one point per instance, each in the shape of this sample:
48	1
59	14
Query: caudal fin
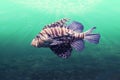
92	38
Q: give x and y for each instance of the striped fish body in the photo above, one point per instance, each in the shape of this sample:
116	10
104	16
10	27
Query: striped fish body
62	38
62	34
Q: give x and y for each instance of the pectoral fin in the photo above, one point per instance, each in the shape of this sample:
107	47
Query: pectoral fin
55	42
78	45
62	50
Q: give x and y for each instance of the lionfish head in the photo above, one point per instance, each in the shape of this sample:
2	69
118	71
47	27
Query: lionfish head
36	42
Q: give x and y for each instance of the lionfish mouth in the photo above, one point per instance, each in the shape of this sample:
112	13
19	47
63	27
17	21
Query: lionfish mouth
34	43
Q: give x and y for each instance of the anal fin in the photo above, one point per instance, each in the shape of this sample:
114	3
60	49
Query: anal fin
78	45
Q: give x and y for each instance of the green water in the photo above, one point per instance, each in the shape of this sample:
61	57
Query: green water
21	20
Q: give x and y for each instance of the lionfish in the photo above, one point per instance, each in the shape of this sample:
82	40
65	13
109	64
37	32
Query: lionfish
61	38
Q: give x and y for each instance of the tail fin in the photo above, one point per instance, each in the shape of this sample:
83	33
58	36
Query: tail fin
92	38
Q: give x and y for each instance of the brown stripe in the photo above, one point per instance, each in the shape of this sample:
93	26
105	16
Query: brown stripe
45	31
83	35
61	31
49	31
41	36
40	40
64	32
68	30
52	32
56	31
57	23
62	21
44	35
79	36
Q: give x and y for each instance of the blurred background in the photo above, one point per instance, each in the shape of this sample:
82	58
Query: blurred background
21	20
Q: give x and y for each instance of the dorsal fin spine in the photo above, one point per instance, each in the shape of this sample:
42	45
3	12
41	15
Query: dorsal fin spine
60	23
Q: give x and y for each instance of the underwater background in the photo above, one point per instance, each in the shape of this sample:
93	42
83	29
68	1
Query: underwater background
21	20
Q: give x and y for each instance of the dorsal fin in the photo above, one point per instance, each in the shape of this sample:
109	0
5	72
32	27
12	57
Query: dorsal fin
76	26
59	23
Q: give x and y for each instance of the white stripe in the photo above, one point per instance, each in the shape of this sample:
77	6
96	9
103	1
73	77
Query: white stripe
53	32
43	32
62	28
66	30
57	31
42	37
71	32
52	35
49	31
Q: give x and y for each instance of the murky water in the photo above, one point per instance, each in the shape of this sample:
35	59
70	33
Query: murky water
21	20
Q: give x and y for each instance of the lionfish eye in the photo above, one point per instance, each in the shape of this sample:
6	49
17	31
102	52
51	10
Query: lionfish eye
37	36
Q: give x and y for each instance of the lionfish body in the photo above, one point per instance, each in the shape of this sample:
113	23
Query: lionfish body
61	38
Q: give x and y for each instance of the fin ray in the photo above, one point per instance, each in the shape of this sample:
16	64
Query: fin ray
62	50
78	45
59	23
92	38
76	26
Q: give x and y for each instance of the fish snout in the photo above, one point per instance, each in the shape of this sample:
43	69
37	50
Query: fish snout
34	43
